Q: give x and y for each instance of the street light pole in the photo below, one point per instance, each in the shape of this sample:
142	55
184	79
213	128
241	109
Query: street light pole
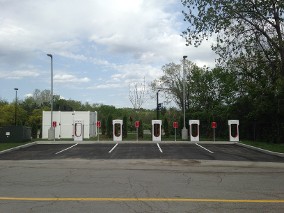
16	105
184	132
158	104
52	130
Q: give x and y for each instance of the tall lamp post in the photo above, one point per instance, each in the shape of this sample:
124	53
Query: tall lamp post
51	132
184	133
158	108
16	105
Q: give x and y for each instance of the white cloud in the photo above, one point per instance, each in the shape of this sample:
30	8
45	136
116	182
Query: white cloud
67	78
18	74
141	28
71	55
116	42
136	72
28	95
106	86
146	33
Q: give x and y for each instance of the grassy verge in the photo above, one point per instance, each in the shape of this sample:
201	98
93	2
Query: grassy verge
264	145
4	146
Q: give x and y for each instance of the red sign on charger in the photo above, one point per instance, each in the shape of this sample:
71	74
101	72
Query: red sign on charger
214	125
137	124
54	124
98	124
175	125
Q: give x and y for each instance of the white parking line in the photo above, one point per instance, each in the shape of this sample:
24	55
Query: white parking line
159	148
203	148
113	148
66	148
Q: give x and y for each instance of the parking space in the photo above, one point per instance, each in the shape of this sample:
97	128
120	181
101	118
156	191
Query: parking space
34	152
226	152
240	153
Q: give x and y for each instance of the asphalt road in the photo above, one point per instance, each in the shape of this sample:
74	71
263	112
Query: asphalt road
136	185
140	178
226	152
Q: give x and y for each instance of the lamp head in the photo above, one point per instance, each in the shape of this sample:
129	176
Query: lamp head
49	55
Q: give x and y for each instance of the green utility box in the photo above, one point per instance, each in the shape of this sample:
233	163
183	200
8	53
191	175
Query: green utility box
14	134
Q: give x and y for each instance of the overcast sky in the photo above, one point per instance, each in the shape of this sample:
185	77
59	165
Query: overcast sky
99	47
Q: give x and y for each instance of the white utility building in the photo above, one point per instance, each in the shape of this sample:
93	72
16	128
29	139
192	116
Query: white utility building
65	124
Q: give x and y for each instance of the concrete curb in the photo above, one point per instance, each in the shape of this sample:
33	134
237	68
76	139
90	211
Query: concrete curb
260	150
244	164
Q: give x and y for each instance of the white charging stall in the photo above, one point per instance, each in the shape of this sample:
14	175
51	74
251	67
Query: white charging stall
78	130
233	130
117	130
156	130
194	130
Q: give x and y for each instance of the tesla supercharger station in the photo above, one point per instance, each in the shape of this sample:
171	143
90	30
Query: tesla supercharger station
156	130
233	130
194	130
78	130
117	130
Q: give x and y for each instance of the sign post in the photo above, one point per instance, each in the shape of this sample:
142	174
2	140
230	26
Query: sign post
175	125
214	126
54	124
137	124
99	126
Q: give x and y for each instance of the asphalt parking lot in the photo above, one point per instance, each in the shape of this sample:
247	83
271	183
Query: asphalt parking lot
194	151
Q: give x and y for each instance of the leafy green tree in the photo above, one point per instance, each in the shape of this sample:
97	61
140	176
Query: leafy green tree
109	127
104	126
140	129
172	82
8	115
29	105
124	127
260	91
166	128
41	98
241	27
64	105
250	43
205	89
105	110
35	121
3	102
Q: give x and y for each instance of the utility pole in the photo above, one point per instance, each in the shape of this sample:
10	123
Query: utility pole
16	105
158	104
184	133
51	134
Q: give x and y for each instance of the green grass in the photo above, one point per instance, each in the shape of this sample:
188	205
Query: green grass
4	146
265	145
